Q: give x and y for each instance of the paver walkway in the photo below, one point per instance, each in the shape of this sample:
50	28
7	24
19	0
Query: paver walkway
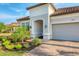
56	48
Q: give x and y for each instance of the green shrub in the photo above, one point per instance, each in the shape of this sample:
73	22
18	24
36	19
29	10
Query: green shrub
28	34
20	34
36	41
18	46
10	46
15	37
26	45
0	38
3	38
6	42
2	27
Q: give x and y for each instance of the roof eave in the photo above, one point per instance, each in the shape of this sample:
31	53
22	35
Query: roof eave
22	19
36	5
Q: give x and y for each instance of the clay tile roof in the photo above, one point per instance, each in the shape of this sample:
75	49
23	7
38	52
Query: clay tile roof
67	10
23	18
36	5
13	24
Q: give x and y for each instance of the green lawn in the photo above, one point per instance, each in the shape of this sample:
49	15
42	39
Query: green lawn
12	53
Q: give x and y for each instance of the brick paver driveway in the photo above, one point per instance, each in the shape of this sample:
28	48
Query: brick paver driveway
55	48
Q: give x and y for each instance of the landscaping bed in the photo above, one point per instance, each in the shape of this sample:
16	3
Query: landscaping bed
17	49
18	42
12	53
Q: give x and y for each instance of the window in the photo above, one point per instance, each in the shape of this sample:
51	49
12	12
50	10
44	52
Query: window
23	24
27	25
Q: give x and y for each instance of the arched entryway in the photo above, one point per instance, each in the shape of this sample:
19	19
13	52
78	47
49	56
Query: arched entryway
39	28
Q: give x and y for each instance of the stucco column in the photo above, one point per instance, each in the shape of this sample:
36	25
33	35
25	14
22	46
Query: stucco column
50	31
47	30
32	24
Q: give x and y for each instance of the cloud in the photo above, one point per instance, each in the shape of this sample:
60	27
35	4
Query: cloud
5	4
27	13
16	9
8	16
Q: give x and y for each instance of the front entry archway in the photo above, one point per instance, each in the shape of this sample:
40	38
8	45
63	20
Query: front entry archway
39	28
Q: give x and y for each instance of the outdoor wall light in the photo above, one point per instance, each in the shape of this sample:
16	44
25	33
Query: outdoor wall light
30	27
45	26
73	19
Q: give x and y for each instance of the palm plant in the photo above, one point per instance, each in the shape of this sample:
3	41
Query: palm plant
20	34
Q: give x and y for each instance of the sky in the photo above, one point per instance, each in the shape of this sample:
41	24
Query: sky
9	12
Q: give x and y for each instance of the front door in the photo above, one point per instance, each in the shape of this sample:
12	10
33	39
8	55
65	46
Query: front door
39	28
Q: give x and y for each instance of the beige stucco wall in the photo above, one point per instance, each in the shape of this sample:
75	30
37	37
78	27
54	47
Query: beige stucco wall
44	18
40	10
65	18
40	13
51	9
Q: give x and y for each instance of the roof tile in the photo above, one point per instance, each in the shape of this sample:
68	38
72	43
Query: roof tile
67	10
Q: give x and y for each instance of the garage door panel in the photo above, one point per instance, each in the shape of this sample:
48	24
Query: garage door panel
66	31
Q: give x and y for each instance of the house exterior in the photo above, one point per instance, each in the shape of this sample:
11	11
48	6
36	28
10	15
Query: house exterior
13	26
24	21
50	23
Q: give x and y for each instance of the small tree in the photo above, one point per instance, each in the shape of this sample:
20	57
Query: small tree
2	27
